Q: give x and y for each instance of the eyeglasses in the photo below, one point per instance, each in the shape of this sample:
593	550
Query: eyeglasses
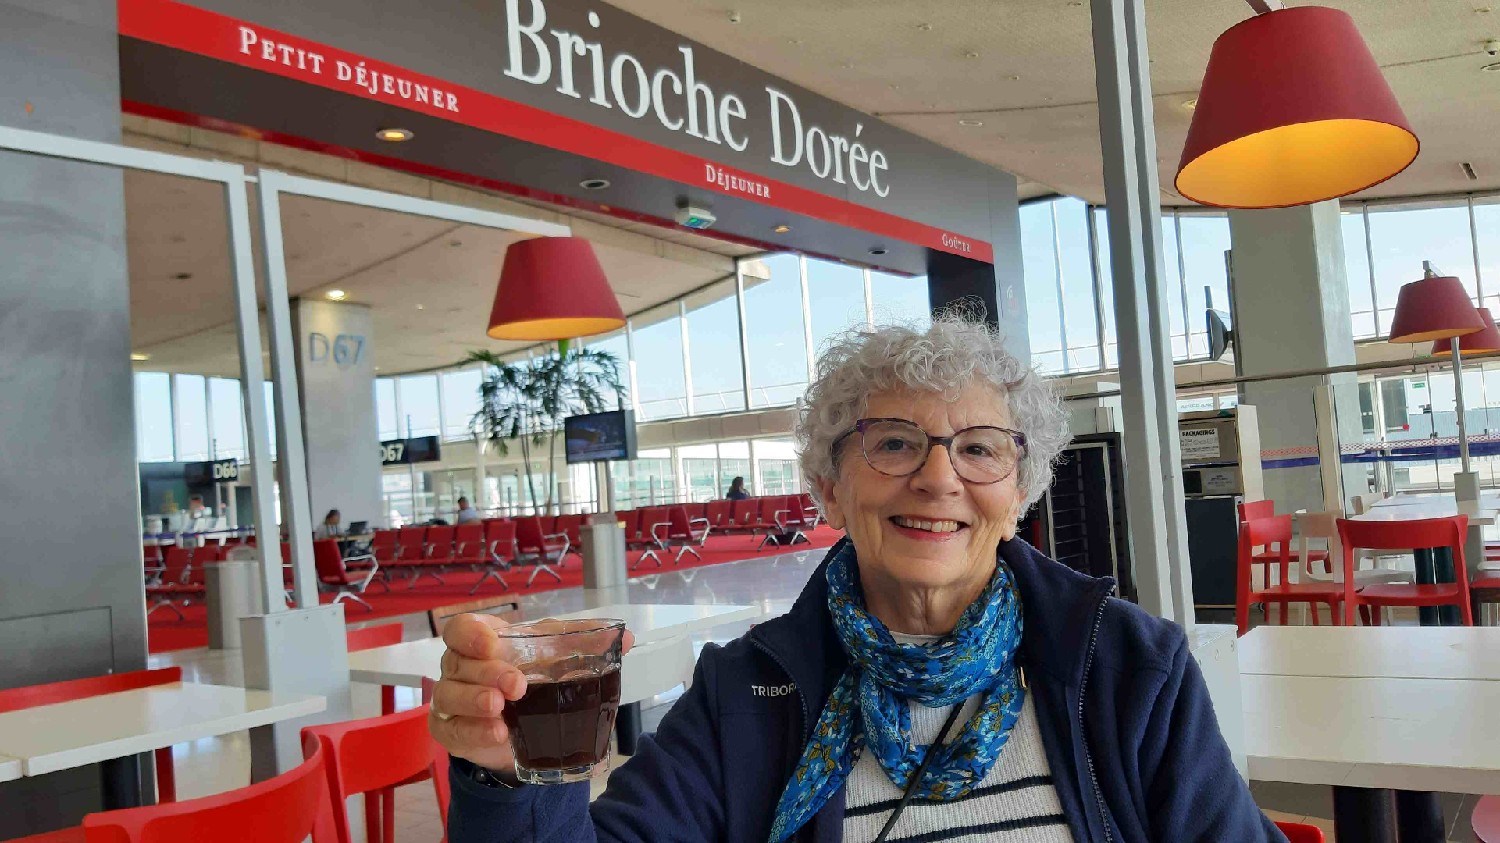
898	448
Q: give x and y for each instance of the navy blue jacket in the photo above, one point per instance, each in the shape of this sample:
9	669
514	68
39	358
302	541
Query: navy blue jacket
1135	750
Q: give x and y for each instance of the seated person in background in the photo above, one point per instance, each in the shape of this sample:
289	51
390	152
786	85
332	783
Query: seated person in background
736	490
466	514
330	528
198	516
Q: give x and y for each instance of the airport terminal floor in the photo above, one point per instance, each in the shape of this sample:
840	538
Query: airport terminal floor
799	421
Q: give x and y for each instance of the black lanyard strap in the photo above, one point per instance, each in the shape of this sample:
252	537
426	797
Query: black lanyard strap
916	778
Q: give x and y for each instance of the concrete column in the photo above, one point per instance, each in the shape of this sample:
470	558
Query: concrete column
71	605
1291	311
336	379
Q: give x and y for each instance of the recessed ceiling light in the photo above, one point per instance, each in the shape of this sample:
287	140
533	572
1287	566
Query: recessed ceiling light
455	243
972	124
970	54
336	295
394	135
1492	67
925	27
137	357
594	184
421	307
183	276
1190	104
782	229
877	250
795	42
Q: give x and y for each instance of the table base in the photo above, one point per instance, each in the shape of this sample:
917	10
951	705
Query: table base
1419	817
1366	815
628	728
122	782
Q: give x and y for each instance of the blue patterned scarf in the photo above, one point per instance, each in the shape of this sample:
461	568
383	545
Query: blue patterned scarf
869	707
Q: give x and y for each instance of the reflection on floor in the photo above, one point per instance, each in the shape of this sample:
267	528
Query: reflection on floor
218	764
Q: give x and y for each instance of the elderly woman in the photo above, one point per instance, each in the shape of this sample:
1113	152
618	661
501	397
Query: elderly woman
938	679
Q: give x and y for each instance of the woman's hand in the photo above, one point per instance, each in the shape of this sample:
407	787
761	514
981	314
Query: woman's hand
477	683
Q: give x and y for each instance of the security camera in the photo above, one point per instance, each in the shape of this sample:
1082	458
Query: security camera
1492	46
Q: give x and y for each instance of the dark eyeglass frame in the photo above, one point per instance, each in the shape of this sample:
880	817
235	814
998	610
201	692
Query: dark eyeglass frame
862	425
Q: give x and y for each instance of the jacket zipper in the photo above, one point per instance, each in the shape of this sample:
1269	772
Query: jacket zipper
802	701
1082	729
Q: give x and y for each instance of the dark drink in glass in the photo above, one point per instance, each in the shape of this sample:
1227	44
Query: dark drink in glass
560	728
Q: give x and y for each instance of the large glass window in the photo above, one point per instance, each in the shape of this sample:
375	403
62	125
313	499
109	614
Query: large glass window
900	300
1076	277
1106	290
191	403
618	345
385	409
1043	302
1402	239
153	417
700	468
419	405
270	414
773	325
734	461
658	364
1487	226
1172	286
460	402
835	298
1205	239
1357	272
713	320
229	418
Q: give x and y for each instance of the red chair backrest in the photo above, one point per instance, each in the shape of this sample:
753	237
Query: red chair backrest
571	526
208	553
1263	532
31	696
529	533
373	636
650	517
717	513
327	560
696	510
285	809
176	561
501	536
371	754
769	507
677	518
383	545
1300	833
412	542
743	511
1405	535
471	532
440	540
1251	510
632	519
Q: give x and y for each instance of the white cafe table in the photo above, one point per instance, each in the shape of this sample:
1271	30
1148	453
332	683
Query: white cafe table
1433	505
111	729
10	769
1373	652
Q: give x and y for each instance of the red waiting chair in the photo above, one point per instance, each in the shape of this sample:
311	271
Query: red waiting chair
286	809
742	515
175	582
718	514
768	526
1264	532
682	532
333	576
647	541
500	552
372	756
32	696
535	547
469	547
368	639
1406	535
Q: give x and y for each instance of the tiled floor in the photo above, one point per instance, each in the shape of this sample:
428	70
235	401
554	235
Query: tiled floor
216	765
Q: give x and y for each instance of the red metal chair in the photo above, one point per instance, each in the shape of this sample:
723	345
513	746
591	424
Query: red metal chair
333	576
1252	510
1301	833
174	582
440	549
543	550
718	514
794	521
31	696
368	639
383	546
679	531
285	809
1264	532
696	511
500	552
469	547
647	520
411	552
372	756
572	527
767	526
1406	535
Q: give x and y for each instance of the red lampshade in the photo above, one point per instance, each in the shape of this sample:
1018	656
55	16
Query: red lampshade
552	288
1293	110
1483	341
1434	308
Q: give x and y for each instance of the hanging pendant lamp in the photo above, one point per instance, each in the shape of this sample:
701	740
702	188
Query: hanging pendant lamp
1434	308
552	288
1293	110
1484	341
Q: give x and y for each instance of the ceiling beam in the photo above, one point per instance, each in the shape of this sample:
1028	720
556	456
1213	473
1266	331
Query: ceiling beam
1263	6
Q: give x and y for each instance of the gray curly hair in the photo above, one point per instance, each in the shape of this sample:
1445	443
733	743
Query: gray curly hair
955	352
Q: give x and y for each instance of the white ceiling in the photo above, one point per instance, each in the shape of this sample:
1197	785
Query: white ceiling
430	283
1025	68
